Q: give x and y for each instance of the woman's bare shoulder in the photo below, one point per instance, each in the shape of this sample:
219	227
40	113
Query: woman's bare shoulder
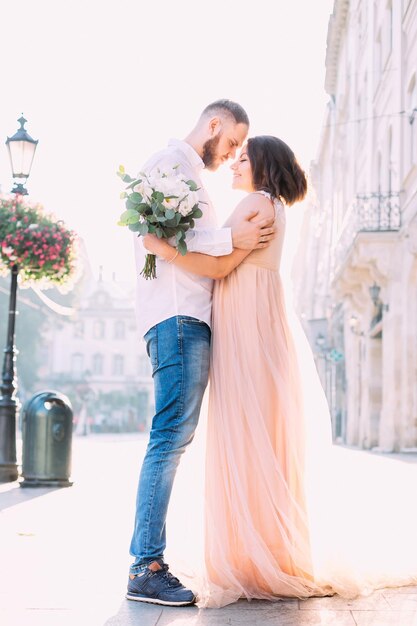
254	202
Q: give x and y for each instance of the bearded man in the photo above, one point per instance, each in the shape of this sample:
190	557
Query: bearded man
174	317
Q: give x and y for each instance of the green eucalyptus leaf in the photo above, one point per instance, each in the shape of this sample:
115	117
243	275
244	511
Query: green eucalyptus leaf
192	185
182	247
130	204
158	196
170	213
142	208
135	197
134	183
143	228
197	213
136	227
129	217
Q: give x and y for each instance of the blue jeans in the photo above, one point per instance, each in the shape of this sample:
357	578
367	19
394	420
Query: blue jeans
179	349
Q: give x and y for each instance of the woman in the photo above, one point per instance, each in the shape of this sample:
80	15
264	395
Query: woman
261	516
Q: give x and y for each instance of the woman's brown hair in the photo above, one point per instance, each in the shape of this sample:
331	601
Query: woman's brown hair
275	169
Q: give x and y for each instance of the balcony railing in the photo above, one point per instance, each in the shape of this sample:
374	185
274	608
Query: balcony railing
373	212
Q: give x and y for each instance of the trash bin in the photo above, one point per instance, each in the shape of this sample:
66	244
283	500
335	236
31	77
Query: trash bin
46	440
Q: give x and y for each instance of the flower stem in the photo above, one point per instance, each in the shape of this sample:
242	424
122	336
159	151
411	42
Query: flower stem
149	269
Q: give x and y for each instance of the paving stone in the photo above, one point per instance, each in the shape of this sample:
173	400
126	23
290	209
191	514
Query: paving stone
261	617
135	613
403	601
256	605
82	534
52	617
374	601
385	618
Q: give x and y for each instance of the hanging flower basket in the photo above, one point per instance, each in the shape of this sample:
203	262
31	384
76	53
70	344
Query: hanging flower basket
43	248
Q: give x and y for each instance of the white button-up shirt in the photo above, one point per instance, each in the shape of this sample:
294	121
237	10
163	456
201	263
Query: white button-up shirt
175	291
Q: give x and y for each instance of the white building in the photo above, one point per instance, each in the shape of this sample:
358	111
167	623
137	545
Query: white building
359	291
97	357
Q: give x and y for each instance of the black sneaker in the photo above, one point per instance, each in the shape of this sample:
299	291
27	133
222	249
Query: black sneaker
157	585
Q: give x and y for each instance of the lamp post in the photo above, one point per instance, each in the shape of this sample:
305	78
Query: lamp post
21	149
374	291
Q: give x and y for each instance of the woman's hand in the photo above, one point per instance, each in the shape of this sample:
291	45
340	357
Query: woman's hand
157	246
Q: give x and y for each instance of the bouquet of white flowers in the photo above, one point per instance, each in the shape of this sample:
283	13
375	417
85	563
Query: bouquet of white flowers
163	203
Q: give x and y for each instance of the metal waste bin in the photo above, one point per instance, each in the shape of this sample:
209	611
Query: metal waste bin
46	440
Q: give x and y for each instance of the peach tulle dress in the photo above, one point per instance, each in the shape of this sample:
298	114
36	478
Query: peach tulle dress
269	521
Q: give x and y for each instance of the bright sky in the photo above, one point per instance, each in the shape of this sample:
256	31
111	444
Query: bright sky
103	83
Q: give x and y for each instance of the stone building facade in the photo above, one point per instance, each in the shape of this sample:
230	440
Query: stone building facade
358	296
97	358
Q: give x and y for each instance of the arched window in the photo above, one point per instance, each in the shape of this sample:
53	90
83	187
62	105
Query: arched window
99	329
119	329
77	363
118	364
144	365
411	131
97	364
79	330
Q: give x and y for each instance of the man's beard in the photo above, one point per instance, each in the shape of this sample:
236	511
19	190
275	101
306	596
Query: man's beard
210	152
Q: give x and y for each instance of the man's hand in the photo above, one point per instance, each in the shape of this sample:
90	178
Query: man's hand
249	235
157	246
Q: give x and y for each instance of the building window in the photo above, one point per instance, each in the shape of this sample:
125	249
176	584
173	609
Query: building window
411	131
119	330
99	328
97	364
79	330
390	27
378	58
77	363
389	181
144	366
118	365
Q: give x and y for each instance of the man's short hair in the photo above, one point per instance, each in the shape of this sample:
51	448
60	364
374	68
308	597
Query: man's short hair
230	108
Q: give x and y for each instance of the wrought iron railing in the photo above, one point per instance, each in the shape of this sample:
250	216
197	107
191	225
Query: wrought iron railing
373	212
377	211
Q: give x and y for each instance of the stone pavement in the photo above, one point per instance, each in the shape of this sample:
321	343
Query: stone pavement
64	556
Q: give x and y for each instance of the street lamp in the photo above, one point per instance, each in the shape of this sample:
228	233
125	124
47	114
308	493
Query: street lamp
353	325
21	150
320	342
374	291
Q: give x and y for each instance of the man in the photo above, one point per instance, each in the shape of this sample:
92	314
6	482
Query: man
174	312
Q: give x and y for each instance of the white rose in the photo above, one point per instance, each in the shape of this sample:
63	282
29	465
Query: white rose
144	189
162	185
185	207
170	203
